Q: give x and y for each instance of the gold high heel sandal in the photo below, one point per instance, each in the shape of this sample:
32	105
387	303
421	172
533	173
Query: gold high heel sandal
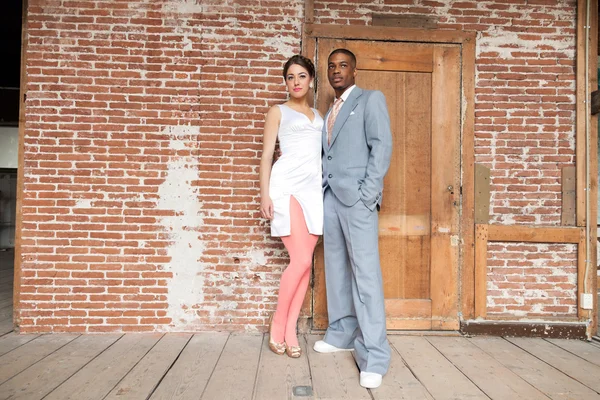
277	348
293	351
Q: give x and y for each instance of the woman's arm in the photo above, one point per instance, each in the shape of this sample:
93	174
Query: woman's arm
266	160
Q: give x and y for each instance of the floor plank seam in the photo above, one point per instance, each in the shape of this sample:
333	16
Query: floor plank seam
83	366
215	367
260	354
358	370
567	350
22	344
168	369
132	368
547	363
310	373
4	334
509	369
41	359
411	371
459	370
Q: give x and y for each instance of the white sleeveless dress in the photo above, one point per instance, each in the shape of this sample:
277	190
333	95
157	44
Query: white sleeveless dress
298	171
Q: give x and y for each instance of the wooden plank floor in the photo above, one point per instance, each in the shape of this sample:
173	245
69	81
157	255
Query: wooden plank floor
215	365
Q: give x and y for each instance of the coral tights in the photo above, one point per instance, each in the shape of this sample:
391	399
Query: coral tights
300	245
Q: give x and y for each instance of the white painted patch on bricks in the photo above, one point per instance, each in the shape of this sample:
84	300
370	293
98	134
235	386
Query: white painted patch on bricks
512	291
496	39
177	193
83	203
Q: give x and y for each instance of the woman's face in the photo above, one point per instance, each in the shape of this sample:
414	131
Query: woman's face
298	81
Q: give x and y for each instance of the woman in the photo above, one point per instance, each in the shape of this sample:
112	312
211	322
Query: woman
291	195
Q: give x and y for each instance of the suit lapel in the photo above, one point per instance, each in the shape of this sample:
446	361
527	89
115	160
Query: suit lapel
344	113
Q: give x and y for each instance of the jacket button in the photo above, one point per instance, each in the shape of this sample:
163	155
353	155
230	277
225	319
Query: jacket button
329	157
330	176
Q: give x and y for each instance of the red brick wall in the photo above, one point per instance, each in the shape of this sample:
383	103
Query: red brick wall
142	144
524	130
143	136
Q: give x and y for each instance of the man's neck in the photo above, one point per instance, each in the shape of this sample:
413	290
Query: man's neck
339	94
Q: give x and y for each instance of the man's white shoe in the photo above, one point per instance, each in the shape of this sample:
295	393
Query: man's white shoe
370	380
322	347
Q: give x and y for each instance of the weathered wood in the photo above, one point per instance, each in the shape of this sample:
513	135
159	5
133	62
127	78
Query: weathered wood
595	102
488	374
450	367
542	376
41	378
569	191
533	234
405	57
377	58
591	282
13	340
435	372
335	376
235	373
6	326
408	324
577	368
96	379
482	194
560	330
580	112
141	381
581	268
188	378
445	187
579	348
21	166
481	251
387	33
6	312
319	293
412	308
323	100
23	357
404	229
309	11
278	375
309	49
400	383
468	178
404	21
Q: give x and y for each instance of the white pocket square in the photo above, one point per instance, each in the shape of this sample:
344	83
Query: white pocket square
352	113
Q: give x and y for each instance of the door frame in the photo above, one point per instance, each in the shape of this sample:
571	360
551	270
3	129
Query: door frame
466	40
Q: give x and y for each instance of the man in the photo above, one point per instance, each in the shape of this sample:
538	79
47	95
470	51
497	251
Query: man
357	146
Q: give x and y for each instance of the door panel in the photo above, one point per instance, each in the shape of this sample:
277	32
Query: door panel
419	216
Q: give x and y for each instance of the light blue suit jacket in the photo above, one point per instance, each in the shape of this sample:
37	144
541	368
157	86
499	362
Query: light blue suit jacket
356	161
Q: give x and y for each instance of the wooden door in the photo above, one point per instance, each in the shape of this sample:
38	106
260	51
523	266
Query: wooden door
419	219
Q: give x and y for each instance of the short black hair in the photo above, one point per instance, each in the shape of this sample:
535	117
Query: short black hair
346	52
301	61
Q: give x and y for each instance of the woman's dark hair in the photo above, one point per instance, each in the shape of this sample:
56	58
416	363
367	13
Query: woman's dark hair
301	61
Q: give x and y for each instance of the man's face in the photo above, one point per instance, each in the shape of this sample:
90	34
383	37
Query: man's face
341	72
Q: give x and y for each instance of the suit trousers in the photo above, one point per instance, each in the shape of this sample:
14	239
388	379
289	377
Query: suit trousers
355	301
